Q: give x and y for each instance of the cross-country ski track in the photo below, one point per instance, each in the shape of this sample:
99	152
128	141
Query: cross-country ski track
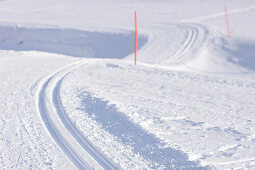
79	150
163	99
66	135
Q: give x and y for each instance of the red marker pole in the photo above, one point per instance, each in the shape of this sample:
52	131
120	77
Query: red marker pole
135	36
226	14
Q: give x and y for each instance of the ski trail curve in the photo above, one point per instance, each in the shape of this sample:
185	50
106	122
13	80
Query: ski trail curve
75	132
66	135
195	38
56	134
192	36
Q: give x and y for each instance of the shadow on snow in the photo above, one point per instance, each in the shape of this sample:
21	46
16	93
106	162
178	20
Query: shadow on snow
243	54
77	43
143	143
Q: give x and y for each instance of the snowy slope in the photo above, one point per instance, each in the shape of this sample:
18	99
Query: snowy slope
71	96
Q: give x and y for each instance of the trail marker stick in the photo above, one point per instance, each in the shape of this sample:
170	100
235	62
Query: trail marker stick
135	36
227	23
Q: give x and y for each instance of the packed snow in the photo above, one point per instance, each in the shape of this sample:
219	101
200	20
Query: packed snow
72	97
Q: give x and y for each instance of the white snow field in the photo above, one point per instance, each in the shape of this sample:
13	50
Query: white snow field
72	98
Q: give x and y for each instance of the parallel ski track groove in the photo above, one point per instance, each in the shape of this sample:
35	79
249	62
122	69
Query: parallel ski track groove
75	132
56	134
62	142
188	44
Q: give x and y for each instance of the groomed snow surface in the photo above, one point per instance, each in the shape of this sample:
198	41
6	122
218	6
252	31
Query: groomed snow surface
72	98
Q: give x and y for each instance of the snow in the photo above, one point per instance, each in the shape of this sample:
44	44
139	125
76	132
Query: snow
71	96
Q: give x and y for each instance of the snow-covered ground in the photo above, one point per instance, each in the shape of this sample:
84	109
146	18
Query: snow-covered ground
71	96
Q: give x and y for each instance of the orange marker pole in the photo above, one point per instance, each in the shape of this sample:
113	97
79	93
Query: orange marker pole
135	37
226	14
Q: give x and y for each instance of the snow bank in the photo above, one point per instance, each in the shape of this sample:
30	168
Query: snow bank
73	42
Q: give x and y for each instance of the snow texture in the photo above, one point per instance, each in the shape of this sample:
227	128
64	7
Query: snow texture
72	98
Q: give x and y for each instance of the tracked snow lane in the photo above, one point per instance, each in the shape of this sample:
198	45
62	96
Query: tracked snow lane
68	138
75	132
195	38
55	132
